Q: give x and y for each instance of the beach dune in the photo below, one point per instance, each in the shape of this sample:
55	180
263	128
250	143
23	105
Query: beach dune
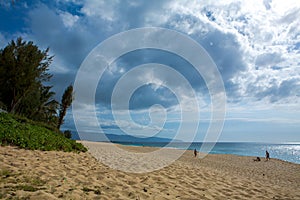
60	175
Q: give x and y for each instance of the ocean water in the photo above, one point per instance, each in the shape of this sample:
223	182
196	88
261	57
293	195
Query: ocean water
288	152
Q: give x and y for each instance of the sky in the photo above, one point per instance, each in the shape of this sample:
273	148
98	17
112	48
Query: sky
254	44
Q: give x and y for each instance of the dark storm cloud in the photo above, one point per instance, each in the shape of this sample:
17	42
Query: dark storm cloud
228	56
61	82
146	96
225	51
70	46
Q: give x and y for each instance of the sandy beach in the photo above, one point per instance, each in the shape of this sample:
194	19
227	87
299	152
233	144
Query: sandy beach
29	174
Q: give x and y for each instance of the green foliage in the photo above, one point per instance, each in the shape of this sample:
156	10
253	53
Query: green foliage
66	101
40	106
26	134
68	134
23	69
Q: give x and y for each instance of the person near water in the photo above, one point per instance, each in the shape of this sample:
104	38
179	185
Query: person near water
257	159
195	152
267	156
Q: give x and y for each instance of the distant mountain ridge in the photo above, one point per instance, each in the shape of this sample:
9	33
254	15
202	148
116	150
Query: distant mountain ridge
128	138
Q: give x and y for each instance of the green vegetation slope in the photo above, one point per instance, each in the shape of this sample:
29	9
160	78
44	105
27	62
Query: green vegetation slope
31	135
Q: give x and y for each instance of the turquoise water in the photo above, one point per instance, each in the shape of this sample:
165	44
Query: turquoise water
287	152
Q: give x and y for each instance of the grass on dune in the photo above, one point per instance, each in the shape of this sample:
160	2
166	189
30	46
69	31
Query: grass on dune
27	134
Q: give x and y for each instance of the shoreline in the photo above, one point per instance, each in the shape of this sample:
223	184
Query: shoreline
53	175
133	144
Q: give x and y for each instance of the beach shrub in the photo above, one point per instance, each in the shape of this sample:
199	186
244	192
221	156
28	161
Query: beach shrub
67	134
27	134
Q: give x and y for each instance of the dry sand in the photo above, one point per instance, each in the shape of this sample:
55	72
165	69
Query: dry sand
29	174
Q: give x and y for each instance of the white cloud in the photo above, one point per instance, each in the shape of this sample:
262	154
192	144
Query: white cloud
100	8
265	35
68	19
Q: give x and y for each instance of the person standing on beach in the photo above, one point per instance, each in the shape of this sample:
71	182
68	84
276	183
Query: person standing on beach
267	156
195	153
